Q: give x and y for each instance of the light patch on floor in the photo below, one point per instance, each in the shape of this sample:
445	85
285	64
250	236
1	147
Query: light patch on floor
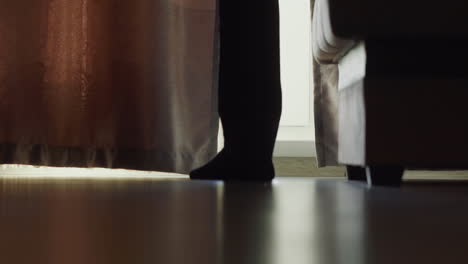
43	172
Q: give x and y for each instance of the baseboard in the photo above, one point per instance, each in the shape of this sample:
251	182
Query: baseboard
288	148
284	148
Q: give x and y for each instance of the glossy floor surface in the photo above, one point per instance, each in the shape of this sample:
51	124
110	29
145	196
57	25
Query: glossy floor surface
291	221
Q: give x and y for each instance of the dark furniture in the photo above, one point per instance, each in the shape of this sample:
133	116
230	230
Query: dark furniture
403	85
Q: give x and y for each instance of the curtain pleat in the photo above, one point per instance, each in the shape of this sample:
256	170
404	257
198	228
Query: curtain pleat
326	113
325	77
115	84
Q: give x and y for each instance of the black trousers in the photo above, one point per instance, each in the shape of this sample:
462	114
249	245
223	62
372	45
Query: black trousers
249	75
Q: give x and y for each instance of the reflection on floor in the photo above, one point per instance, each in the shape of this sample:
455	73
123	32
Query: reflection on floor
174	220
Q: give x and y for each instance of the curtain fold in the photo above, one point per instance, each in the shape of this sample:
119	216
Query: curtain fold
325	77
115	84
326	113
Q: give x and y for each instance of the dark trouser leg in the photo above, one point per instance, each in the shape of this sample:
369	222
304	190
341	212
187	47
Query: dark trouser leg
249	89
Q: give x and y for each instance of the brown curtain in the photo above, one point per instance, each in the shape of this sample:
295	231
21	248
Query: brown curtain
108	83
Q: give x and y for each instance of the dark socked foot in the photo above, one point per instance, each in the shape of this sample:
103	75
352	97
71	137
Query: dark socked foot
225	167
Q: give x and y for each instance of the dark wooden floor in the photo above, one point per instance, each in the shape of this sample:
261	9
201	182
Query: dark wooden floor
293	220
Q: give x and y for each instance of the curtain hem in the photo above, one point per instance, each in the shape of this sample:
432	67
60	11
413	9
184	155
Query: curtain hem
113	158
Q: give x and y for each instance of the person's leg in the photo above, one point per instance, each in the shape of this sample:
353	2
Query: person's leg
249	91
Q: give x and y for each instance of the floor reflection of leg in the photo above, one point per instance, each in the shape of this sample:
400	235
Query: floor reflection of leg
248	223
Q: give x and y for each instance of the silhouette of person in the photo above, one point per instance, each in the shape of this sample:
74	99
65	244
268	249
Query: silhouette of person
249	91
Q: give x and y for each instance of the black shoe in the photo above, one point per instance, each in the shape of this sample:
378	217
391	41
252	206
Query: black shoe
227	167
